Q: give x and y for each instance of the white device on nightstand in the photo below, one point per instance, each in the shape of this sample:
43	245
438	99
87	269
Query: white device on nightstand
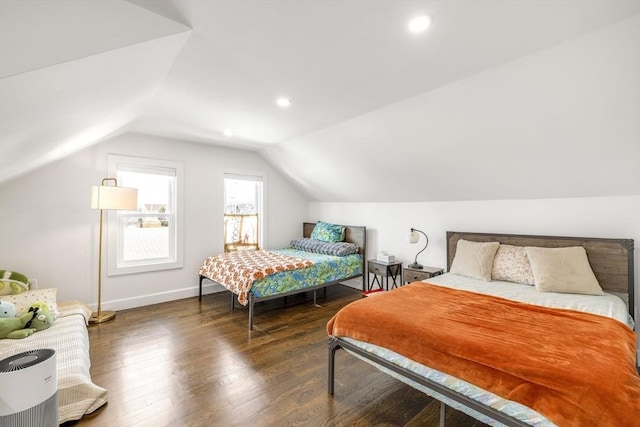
385	257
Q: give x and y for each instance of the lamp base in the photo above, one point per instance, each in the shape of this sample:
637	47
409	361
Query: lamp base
415	265
105	316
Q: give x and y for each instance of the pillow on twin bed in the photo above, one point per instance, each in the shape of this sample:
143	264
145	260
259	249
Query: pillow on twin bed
474	259
326	232
511	264
564	270
23	300
320	247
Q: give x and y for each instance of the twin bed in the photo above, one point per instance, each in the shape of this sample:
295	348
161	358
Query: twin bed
69	338
505	352
316	261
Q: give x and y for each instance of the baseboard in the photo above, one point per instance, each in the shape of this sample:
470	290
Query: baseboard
176	294
149	299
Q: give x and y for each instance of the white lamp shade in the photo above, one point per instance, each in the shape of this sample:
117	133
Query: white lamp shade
413	237
111	197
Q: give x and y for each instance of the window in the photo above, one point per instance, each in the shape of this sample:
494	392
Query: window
149	238
242	212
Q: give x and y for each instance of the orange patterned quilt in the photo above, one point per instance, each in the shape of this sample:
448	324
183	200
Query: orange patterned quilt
577	369
238	270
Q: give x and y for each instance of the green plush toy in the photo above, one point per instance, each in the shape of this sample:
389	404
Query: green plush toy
12	282
15	327
42	317
37	318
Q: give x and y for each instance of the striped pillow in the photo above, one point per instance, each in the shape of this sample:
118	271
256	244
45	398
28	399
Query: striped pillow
319	247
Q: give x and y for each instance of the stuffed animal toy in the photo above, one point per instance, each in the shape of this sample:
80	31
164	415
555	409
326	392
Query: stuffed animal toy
15	327
7	309
12	282
42	316
36	318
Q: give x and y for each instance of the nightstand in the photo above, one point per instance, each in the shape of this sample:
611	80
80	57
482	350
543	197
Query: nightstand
382	272
418	274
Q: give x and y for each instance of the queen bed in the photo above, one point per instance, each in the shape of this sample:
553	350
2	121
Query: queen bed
509	352
326	255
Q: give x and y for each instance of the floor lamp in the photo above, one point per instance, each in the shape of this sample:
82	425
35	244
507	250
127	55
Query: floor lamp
109	197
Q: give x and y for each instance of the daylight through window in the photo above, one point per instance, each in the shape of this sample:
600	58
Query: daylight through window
242	212
147	239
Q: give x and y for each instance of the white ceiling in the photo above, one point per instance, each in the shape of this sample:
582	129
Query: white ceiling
74	72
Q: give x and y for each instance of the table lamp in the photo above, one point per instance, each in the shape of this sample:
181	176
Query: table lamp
413	238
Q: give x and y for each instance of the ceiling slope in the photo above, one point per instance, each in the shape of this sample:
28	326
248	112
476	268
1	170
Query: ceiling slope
75	71
72	77
60	109
39	34
561	123
338	60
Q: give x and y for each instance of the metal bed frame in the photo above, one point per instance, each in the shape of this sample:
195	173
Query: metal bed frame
337	343
353	234
610	259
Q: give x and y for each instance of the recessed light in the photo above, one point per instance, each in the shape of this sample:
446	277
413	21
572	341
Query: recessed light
228	132
283	102
419	24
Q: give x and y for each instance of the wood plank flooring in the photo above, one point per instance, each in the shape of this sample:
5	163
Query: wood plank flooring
186	363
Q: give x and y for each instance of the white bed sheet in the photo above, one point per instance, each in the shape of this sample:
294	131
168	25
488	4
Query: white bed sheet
606	305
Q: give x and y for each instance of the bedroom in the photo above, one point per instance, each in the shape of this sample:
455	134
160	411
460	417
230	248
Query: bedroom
540	137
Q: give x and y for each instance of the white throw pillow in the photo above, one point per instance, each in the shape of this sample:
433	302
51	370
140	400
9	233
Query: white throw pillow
564	270
474	259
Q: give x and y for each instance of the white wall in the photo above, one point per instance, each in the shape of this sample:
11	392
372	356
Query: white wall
388	223
49	232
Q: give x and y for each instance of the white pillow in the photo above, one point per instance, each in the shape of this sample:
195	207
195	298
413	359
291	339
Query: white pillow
474	259
564	270
511	264
23	300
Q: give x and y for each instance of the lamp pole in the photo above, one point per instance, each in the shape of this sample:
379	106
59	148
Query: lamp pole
109	197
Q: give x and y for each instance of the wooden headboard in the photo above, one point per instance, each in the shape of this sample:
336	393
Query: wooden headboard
353	234
611	259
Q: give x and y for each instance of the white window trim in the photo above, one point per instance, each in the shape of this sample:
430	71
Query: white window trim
248	175
112	218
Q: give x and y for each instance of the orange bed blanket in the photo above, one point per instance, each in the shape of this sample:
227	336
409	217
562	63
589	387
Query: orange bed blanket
576	369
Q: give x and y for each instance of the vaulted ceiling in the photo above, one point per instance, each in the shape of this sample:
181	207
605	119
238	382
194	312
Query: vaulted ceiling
75	72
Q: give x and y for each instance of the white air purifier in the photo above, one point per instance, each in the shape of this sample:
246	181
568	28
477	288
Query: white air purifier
29	389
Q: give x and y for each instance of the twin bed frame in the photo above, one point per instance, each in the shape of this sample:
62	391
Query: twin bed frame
353	234
610	259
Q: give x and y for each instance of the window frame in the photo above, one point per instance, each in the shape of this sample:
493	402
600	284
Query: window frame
115	264
262	211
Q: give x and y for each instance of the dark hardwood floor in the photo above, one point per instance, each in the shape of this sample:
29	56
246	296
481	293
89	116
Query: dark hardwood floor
186	363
